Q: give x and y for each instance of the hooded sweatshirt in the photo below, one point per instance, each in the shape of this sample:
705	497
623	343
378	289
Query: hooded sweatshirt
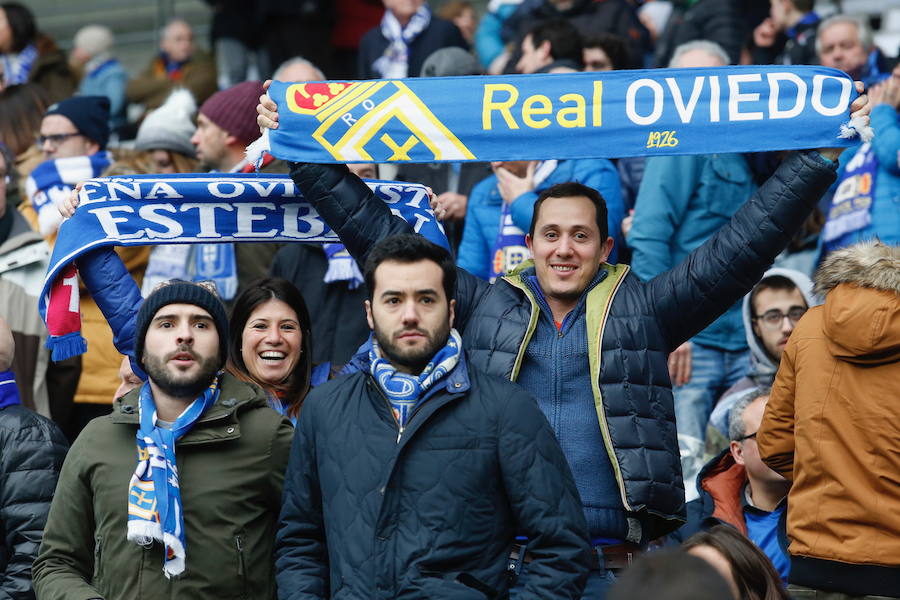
762	364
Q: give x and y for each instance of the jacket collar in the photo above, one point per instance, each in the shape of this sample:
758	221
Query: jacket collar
234	396
455	382
721	484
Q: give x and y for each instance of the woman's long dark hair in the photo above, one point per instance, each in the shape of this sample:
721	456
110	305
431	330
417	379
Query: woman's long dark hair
21	23
293	390
753	572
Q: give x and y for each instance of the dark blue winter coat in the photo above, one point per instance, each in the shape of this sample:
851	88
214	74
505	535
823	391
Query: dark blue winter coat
432	513
645	322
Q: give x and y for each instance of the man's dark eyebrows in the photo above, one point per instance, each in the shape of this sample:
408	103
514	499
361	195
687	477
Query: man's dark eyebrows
193	317
427	292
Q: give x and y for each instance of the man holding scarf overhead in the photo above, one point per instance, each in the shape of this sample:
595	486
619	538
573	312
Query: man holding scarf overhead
202	458
590	340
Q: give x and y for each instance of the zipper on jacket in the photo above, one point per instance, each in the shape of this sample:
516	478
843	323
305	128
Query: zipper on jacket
97	556
242	570
595	385
400	428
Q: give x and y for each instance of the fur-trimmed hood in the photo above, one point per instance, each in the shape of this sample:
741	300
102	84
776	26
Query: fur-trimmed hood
867	264
861	318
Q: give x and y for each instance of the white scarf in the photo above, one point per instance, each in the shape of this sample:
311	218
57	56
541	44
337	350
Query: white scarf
394	63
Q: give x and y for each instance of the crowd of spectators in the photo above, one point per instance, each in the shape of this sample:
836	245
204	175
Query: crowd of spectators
65	119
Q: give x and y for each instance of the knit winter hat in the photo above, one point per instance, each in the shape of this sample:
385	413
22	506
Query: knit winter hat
178	291
170	126
450	62
94	39
234	110
89	114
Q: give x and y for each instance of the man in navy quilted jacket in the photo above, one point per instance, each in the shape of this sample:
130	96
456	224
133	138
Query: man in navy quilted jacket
411	477
590	340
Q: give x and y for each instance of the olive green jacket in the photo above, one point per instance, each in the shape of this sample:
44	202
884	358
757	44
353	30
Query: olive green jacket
231	469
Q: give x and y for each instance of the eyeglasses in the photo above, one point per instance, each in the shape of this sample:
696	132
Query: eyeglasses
752	436
55	139
773	319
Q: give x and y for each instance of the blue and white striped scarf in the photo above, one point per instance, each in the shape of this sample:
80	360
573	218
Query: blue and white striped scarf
154	495
394	63
53	180
405	392
17	67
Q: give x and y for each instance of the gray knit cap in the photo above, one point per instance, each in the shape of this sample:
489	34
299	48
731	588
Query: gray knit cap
450	62
170	126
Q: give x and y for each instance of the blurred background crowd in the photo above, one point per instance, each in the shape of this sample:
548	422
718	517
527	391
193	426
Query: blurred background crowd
102	87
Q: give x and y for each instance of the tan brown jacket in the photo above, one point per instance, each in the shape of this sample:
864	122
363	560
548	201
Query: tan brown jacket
833	426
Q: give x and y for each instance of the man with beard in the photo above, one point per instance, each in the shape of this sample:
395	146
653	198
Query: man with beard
204	476
411	477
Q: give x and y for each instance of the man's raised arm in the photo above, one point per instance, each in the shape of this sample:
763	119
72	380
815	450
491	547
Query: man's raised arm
692	295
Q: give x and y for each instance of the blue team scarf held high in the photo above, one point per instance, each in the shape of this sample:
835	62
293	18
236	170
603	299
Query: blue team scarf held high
218	208
155	512
405	392
9	391
851	205
561	115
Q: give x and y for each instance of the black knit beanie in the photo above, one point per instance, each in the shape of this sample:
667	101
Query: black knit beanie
89	115
181	292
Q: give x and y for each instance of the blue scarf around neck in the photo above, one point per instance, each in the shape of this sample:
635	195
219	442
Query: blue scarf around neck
154	494
406	392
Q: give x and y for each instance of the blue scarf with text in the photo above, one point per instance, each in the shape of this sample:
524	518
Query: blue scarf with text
561	115
194	209
155	512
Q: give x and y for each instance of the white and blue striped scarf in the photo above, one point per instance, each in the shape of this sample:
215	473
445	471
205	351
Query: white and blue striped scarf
53	180
405	392
394	63
154	495
17	67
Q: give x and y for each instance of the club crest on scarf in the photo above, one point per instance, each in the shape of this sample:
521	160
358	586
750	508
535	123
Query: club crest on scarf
354	117
405	392
154	496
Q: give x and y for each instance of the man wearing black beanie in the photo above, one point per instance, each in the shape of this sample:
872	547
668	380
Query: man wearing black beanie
202	456
77	126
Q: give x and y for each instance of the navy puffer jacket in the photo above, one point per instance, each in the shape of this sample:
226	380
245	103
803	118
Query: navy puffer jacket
32	451
432	513
647	320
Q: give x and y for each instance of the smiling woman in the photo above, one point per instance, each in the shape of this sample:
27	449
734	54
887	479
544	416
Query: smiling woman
270	342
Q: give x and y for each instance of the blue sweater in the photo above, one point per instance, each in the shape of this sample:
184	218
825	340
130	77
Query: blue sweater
555	370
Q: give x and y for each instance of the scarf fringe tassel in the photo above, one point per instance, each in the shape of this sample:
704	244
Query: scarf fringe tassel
66	346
